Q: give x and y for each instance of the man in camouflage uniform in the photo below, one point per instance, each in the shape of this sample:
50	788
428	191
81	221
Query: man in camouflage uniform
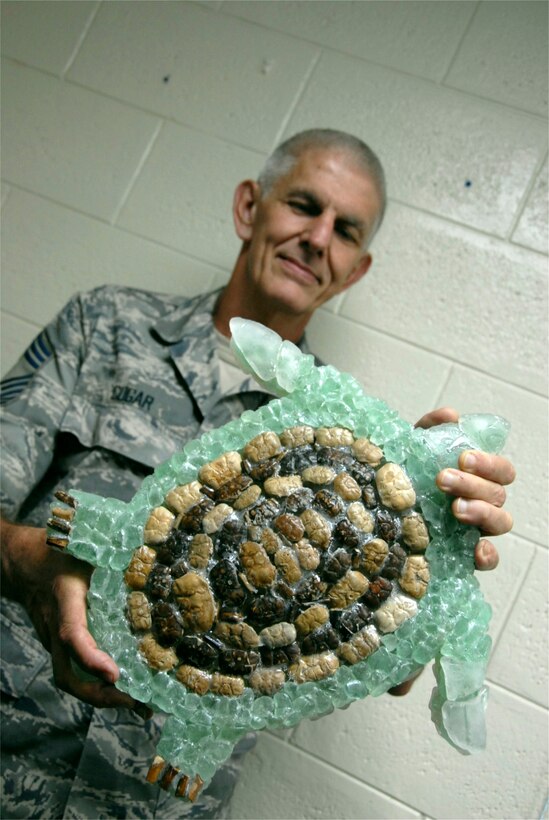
112	387
110	404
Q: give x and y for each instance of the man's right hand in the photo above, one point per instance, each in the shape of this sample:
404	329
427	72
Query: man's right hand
52	587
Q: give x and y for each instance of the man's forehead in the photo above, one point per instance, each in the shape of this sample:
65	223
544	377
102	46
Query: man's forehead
320	173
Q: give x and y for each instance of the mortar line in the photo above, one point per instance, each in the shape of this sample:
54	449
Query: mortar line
458	47
83	35
511	606
467	226
441	356
298	96
347	774
525	197
444	385
136	173
524	699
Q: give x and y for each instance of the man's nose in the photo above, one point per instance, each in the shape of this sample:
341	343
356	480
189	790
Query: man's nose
318	232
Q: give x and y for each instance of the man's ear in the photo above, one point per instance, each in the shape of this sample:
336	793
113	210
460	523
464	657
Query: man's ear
361	270
246	197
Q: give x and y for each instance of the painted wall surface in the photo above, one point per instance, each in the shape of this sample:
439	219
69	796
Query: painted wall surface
126	126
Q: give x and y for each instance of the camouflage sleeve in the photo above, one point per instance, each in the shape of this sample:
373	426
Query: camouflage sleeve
33	398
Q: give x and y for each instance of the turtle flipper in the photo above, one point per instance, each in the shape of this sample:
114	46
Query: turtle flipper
458	703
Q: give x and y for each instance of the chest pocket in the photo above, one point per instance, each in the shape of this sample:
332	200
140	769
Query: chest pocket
146	426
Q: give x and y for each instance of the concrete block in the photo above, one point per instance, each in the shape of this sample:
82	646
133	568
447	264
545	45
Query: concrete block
50	252
503	56
407	378
281	782
521	657
526	447
17	334
461	294
69	144
183	196
44	34
533	229
184	61
390	744
444	151
415	37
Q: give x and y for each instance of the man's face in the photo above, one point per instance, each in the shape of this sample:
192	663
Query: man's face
309	233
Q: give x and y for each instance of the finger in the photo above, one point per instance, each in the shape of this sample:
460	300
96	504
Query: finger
441	416
73	631
490	520
487	465
466	485
96	693
486	555
403	688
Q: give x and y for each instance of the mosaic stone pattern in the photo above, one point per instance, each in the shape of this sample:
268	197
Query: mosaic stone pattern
281	562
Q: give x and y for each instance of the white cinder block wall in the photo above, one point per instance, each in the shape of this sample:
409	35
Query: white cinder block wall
126	126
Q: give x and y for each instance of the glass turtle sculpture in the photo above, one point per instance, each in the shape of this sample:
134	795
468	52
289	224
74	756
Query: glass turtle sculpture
286	564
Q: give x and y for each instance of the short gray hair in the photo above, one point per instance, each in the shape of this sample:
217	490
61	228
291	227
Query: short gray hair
284	157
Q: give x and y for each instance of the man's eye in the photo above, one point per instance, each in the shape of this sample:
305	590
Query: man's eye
348	234
301	207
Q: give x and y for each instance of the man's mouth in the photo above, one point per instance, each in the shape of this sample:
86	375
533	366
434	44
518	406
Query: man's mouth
299	269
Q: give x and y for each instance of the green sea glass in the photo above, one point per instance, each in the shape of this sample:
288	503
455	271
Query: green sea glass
452	619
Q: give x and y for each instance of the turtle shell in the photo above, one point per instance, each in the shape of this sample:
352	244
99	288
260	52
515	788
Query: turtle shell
280	562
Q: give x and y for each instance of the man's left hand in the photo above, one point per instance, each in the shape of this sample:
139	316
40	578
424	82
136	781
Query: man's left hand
478	487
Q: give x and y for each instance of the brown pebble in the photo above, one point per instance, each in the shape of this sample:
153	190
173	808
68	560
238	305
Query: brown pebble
194	679
360	516
221	469
290	526
139	611
415	576
200	551
288	565
281	634
359	646
366	452
348	589
334	437
318	474
313	618
282	485
240	635
196	602
158	526
297	436
347	488
414	531
256	562
216	517
228	685
184	497
307	555
248	497
267	681
317	528
265	445
374	553
394	487
157	656
139	567
314	667
393	612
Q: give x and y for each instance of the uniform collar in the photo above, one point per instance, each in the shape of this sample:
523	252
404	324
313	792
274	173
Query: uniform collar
189	330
